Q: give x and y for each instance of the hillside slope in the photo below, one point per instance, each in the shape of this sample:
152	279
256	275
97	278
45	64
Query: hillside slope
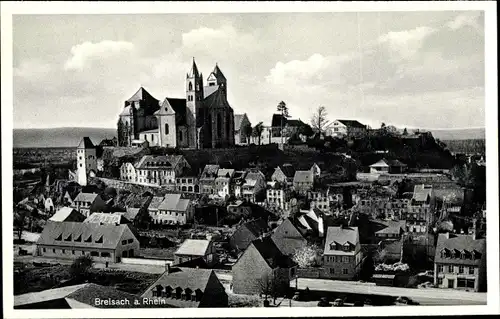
59	137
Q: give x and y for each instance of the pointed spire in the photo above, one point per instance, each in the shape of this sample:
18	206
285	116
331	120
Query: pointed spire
194	70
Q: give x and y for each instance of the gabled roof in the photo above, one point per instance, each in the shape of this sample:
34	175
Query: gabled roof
86	143
217	72
294	123
141	95
194	70
271	253
174	202
86	197
386	163
209	90
352	123
303	177
341	235
209	171
391	226
225	172
67	213
57	233
192	278
256	227
194	247
103	218
460	243
421	192
177	105
312	219
159	161
288	170
155	202
237	121
276	120
45	295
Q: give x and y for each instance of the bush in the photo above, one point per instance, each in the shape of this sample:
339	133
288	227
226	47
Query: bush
80	267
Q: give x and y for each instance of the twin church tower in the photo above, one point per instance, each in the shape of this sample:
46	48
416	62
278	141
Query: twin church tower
204	119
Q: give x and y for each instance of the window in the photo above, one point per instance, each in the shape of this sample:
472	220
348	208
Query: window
72	252
81	165
345	271
440	268
470	283
166	129
450	269
124	242
460	269
130	241
105	254
440	281
53	250
461	283
332	271
190	86
471	270
44	250
94	253
64	251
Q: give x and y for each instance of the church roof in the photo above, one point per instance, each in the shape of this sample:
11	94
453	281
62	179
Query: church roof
179	107
217	72
238	118
194	70
141	95
209	90
86	143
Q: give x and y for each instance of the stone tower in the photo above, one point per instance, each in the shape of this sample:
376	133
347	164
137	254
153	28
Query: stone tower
194	102
86	160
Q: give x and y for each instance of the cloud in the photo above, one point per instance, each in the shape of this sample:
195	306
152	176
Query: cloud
465	20
32	69
87	52
406	43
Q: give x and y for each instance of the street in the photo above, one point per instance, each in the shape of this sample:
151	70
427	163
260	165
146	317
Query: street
427	296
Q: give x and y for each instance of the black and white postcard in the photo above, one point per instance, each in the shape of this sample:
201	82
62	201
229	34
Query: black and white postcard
253	159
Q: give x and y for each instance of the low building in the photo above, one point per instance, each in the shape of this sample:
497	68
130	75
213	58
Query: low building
154	205
70	240
312	223
181	287
278	196
207	179
288	237
87	203
160	170
240	122
188	183
240	208
388	166
253	186
174	210
342	255
262	266
128	172
223	182
67	214
49	205
316	170
350	128
246	233
303	181
196	248
460	262
421	210
320	200
76	297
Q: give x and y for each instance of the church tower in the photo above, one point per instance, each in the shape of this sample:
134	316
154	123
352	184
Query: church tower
194	100
86	160
217	78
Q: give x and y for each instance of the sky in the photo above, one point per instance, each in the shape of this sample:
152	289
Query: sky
408	69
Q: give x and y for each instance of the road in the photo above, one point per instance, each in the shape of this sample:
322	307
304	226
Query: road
424	296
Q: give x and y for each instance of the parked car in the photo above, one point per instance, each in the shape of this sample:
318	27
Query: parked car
406	301
338	302
323	302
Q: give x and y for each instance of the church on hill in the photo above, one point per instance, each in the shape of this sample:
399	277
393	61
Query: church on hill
204	119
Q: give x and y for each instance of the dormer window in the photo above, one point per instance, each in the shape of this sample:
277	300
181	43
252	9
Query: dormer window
347	247
78	239
99	240
68	238
89	239
444	253
59	237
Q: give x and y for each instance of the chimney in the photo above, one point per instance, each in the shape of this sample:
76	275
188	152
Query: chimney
167	268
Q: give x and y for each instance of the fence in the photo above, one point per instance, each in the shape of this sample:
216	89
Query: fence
145	261
313	273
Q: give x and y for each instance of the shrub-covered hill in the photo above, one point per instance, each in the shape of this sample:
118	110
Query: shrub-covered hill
418	150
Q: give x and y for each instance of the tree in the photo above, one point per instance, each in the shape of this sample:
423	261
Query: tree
80	267
319	122
268	286
383	125
247	132
20	218
305	130
405	132
257	131
306	256
283	109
